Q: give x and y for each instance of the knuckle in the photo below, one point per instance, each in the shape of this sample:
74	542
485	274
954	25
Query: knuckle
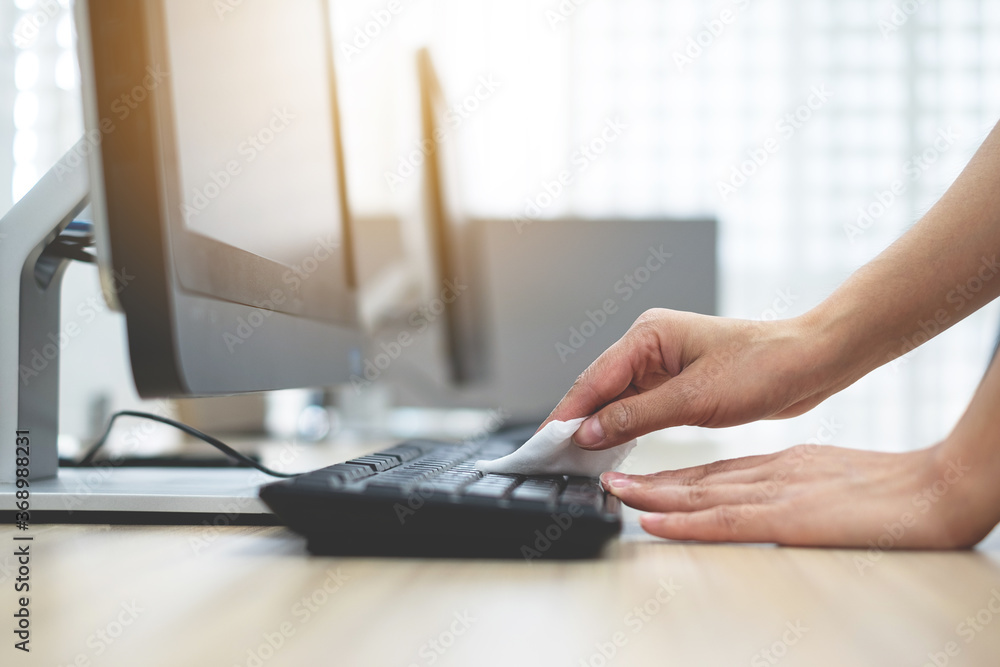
795	451
695	400
698	475
621	417
696	492
650	316
586	376
728	518
583	384
645	331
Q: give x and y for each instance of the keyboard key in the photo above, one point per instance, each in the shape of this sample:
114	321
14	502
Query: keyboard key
544	483
583	483
583	491
592	501
377	462
405	453
490	487
537	491
391	483
348	472
315	481
459	475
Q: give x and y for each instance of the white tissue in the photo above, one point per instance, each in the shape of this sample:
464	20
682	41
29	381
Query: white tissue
551	452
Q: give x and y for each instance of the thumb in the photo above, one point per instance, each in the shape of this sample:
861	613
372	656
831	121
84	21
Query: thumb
670	404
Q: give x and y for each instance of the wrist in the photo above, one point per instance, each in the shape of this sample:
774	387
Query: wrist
963	475
832	353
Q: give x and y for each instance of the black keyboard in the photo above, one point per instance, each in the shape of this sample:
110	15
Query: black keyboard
425	498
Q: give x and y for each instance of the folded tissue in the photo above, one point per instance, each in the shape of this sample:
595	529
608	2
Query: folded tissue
551	451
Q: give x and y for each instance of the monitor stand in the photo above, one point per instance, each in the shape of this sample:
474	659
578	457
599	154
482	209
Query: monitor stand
31	274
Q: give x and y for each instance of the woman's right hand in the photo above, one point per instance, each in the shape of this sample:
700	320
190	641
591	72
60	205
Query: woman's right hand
675	368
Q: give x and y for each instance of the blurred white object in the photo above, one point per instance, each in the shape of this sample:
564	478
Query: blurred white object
551	451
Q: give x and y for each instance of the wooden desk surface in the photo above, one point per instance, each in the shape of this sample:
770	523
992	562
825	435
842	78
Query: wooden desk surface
220	597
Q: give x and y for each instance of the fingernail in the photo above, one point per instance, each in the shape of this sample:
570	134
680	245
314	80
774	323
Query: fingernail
621	483
616	481
590	433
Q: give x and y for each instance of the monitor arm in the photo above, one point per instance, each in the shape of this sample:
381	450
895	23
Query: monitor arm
36	241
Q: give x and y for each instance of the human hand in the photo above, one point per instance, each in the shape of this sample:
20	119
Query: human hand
674	368
813	495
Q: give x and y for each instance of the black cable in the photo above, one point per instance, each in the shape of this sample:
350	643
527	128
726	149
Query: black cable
190	430
70	251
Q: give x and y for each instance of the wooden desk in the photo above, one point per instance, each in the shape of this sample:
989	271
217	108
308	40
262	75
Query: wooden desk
223	596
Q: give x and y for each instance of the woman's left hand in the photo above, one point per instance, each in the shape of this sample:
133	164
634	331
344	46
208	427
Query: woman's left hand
814	495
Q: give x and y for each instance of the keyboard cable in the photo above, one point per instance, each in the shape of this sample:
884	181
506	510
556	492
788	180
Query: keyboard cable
190	430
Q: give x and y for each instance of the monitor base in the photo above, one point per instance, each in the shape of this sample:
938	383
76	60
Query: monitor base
178	496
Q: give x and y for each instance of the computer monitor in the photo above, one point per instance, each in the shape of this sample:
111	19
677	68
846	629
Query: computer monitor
512	340
418	309
212	162
219	193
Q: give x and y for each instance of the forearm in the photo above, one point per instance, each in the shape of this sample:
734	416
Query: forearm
940	271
